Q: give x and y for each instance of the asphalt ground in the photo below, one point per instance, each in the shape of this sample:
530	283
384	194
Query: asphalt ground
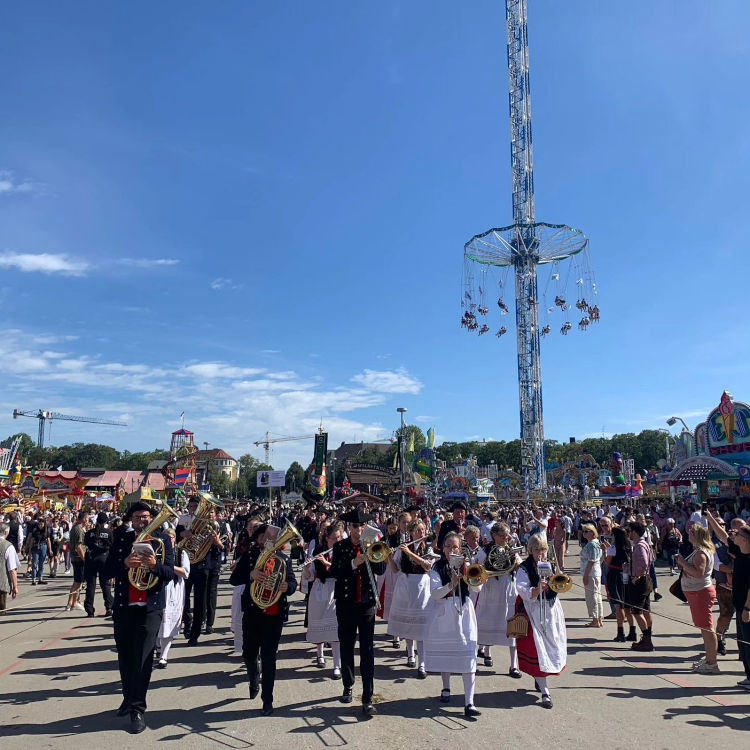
59	687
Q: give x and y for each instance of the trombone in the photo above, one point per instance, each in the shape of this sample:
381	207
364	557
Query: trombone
375	551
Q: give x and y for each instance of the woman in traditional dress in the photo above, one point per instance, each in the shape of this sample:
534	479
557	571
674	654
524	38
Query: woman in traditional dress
543	652
387	581
411	595
450	643
496	602
175	598
322	624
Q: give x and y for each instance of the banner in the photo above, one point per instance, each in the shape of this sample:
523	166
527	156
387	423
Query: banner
271	478
321	448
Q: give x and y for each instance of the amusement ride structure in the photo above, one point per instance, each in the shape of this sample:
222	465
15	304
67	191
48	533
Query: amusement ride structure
527	246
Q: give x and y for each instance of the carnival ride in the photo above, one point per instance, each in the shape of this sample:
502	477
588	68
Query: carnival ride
526	246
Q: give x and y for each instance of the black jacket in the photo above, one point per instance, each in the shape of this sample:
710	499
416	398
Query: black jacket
346	577
98	542
114	567
241	574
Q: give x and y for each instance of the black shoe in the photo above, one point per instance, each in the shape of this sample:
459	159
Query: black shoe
42	582
546	701
346	696
209	630
192	642
421	674
721	647
480	652
267	709
514	673
254	690
33	583
90	613
108	615
470	712
368	709
445	695
137	724
619	638
488	661
658	597
124	709
632	636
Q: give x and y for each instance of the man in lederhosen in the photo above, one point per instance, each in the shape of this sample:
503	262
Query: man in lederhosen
356	603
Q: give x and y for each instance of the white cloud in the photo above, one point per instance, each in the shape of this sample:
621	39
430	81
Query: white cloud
223	283
147	262
220	370
425	419
8	184
388	381
44	263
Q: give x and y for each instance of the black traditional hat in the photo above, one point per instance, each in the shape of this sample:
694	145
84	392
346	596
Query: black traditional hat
135	507
458	505
356	516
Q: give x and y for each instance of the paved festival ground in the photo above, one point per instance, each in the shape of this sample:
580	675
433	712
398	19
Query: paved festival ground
59	688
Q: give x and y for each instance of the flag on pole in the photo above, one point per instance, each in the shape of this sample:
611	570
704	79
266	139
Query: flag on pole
410	449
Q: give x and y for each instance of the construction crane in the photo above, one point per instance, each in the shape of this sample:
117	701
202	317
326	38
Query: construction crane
47	416
266	443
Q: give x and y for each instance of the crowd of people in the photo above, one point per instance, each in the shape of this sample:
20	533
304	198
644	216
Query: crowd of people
418	583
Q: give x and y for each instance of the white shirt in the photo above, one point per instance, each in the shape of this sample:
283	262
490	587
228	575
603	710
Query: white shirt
11	559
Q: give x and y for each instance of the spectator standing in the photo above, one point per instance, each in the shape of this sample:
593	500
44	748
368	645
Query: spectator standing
8	569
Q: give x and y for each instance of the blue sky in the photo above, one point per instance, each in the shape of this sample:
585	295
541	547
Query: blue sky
255	213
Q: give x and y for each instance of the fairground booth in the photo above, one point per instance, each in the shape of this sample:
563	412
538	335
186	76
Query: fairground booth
718	455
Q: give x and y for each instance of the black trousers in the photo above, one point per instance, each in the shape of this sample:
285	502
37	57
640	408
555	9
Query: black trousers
261	635
205	588
136	630
93	570
187	607
743	633
352	618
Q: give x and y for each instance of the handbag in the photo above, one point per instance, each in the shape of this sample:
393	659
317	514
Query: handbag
518	626
676	589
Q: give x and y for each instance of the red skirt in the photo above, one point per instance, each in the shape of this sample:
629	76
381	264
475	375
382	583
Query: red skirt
528	659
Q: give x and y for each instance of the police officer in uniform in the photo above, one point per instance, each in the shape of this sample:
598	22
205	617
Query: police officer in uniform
137	614
356	603
98	542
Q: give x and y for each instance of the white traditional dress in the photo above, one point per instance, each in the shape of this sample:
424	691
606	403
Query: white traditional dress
322	624
495	605
410	602
544	650
450	641
175	597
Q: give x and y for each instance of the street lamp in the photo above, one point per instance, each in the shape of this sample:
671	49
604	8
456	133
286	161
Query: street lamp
673	421
402	410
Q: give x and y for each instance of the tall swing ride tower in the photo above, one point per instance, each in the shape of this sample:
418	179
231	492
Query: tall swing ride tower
526	247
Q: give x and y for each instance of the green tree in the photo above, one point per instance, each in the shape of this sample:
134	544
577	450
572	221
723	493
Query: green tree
247	484
25	447
219	482
295	478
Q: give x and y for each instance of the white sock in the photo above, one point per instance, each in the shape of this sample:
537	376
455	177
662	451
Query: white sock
469	681
336	651
320	651
542	682
487	652
410	648
420	651
166	644
513	657
446	680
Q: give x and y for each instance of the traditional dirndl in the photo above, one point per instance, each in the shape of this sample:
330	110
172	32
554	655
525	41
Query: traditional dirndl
322	624
409	604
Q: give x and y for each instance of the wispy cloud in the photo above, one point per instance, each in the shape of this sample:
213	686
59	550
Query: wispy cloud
9	184
49	263
221	370
146	262
425	419
270	351
223	283
388	381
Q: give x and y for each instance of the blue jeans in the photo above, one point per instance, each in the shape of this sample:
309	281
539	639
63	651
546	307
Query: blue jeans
38	558
652	573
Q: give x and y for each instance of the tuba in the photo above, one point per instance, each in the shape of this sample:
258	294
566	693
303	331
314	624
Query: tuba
267	592
142	578
202	528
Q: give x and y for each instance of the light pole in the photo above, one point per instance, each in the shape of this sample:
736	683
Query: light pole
673	420
402	410
666	439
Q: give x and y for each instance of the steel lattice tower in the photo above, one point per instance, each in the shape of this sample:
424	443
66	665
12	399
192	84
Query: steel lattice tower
525	245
